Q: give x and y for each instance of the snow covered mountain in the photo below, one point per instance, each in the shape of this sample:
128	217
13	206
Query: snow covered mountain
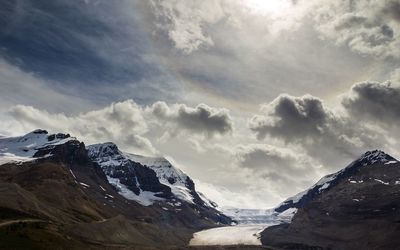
27	147
108	198
303	198
145	179
355	208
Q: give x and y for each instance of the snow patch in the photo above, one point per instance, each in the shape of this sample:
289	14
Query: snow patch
390	162
144	198
233	235
382	182
84	184
23	148
72	173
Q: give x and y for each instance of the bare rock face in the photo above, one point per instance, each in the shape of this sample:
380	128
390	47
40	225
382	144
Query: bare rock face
360	209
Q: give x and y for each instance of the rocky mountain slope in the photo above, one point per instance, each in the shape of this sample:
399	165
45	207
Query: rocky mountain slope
149	180
54	194
355	208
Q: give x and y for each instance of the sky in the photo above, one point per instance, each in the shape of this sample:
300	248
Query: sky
254	99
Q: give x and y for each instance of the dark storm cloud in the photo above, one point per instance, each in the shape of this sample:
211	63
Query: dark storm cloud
83	48
201	119
323	134
291	117
393	10
374	101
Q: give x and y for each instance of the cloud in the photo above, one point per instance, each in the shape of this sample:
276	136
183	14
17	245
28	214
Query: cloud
291	117
324	134
268	158
126	123
184	21
367	27
199	120
281	167
190	24
375	102
120	122
97	51
395	76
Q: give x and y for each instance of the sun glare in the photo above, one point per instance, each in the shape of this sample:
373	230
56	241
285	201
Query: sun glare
268	7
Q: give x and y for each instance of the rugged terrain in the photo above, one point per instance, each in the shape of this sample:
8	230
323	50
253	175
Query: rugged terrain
57	193
355	208
54	195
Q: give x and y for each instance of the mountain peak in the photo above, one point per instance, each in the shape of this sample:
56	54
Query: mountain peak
104	149
375	156
39	131
26	147
328	181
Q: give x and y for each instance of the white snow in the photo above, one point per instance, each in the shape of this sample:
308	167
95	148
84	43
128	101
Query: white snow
233	235
325	186
207	201
355	182
84	184
23	148
243	233
382	182
287	215
148	161
145	198
390	162
249	216
164	170
72	174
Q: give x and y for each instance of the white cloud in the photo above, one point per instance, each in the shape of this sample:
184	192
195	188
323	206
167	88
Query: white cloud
184	21
201	119
367	27
330	136
125	123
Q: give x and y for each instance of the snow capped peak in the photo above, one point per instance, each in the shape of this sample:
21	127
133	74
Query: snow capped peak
110	158
367	159
153	162
110	149
39	131
375	156
23	148
103	149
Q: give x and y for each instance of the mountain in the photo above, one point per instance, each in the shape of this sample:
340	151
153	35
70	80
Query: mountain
303	198
148	180
55	193
355	208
